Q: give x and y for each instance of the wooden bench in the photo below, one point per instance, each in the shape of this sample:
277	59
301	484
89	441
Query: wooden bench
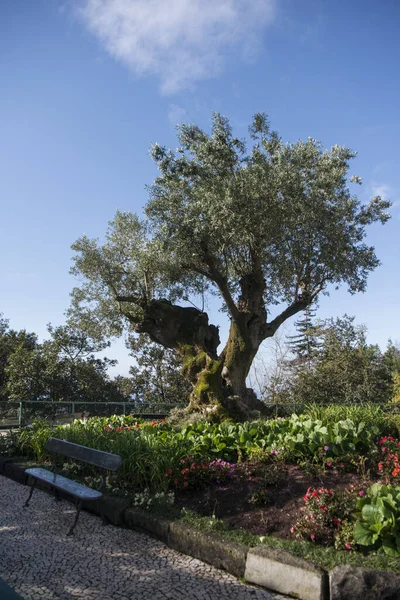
79	492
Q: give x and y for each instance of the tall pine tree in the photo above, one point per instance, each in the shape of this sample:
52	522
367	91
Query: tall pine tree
304	345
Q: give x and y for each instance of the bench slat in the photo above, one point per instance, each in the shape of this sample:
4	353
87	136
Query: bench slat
98	458
62	483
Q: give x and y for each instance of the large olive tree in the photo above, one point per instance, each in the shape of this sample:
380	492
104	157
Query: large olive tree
270	227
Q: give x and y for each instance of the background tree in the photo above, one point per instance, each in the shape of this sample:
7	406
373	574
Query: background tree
156	377
345	370
10	340
305	343
391	360
63	368
273	226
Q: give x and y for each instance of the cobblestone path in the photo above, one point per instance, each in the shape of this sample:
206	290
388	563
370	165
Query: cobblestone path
40	562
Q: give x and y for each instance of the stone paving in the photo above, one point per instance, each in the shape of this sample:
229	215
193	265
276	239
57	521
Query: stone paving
40	562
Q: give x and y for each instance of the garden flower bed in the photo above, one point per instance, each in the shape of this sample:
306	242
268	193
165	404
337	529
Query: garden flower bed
304	482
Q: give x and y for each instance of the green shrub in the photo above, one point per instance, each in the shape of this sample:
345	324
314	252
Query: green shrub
326	514
378	524
32	440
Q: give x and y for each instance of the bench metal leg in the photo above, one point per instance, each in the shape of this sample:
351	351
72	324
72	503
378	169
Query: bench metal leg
31	492
78	510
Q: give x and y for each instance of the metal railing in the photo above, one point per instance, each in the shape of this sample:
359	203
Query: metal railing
19	414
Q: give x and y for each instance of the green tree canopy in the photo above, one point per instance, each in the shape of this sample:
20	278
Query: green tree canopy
273	225
62	368
10	340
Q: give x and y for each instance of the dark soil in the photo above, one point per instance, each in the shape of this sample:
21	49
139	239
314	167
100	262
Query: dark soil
279	493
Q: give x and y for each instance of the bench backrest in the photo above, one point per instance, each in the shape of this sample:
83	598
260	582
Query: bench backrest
98	458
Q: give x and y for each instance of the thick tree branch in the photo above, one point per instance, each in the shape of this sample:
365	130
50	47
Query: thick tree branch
300	304
226	295
216	276
270	328
134	299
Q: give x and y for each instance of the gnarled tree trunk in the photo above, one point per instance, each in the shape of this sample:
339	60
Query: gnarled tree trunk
218	380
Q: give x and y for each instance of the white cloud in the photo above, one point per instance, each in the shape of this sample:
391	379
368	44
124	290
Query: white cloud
386	192
177	114
180	41
381	189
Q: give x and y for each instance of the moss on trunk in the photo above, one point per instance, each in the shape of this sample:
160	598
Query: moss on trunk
219	384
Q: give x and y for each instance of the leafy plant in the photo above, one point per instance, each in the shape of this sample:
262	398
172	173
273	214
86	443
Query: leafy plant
33	438
7	445
378	524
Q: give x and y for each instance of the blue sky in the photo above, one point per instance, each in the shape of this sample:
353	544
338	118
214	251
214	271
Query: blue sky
87	86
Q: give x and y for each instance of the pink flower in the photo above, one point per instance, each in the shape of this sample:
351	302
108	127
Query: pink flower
255	479
361	493
292	529
336	521
326	448
328	463
312	536
348	545
323	507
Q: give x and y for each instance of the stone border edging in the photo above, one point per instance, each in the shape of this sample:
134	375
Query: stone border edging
265	566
